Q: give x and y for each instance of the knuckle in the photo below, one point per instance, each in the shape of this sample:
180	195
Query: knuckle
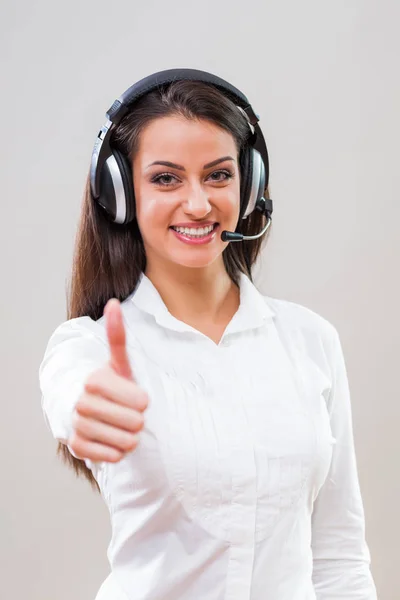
95	379
83	405
115	457
139	421
131	443
81	424
77	445
141	399
126	443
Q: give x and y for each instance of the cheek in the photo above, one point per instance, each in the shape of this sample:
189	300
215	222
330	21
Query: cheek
147	217
152	215
146	203
229	203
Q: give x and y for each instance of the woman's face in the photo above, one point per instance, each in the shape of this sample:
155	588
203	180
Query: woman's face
200	186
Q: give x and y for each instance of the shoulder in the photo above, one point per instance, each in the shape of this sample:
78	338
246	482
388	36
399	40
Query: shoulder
293	316
79	341
85	330
78	328
306	333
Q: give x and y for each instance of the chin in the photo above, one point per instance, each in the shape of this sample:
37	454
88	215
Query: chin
194	262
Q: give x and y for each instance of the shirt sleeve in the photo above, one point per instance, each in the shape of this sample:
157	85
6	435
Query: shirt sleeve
75	349
341	557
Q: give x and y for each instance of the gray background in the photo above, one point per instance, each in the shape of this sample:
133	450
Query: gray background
324	77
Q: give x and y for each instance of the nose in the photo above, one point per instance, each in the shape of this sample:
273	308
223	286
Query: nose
197	202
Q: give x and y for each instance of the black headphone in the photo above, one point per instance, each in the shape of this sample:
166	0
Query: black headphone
111	174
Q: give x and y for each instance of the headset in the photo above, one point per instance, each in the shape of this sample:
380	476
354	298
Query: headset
111	179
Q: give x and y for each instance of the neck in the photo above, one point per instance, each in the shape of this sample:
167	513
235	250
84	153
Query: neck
200	295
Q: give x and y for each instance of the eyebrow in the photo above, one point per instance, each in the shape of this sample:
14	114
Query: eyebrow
166	163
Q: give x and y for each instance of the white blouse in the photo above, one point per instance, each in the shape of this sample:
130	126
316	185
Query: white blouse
244	485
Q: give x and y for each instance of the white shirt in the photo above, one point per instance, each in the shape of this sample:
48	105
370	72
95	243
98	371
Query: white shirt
244	485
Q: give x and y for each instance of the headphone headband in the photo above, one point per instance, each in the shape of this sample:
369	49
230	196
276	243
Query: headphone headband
121	106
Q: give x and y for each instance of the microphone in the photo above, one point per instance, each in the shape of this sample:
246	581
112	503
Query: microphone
264	206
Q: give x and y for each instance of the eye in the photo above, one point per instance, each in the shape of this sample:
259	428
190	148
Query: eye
168	179
160	179
226	172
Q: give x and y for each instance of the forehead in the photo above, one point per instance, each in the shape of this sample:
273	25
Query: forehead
172	135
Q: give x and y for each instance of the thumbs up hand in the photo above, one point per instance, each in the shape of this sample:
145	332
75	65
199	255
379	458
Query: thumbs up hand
109	413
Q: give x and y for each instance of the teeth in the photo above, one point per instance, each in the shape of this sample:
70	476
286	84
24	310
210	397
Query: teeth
195	231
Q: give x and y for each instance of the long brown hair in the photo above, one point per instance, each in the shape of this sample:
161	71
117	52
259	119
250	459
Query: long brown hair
109	258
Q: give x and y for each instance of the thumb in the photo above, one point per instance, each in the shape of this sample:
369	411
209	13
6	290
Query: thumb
115	328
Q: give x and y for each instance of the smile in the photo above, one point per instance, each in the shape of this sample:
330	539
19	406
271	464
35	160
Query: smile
195	231
195	235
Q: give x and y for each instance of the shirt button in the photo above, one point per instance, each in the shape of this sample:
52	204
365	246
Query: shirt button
225	342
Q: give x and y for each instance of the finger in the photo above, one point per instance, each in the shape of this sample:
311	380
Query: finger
98	408
113	387
119	359
86	449
96	431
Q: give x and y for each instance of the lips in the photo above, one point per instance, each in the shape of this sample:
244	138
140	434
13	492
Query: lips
194	225
198	239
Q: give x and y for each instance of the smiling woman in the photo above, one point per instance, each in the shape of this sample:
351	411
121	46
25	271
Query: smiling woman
215	421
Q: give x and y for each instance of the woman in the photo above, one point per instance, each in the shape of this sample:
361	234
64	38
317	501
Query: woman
215	421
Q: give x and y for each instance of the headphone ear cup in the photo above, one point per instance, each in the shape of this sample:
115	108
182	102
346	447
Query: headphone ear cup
127	192
246	171
254	182
116	189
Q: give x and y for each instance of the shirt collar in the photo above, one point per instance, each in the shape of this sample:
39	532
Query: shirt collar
253	310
